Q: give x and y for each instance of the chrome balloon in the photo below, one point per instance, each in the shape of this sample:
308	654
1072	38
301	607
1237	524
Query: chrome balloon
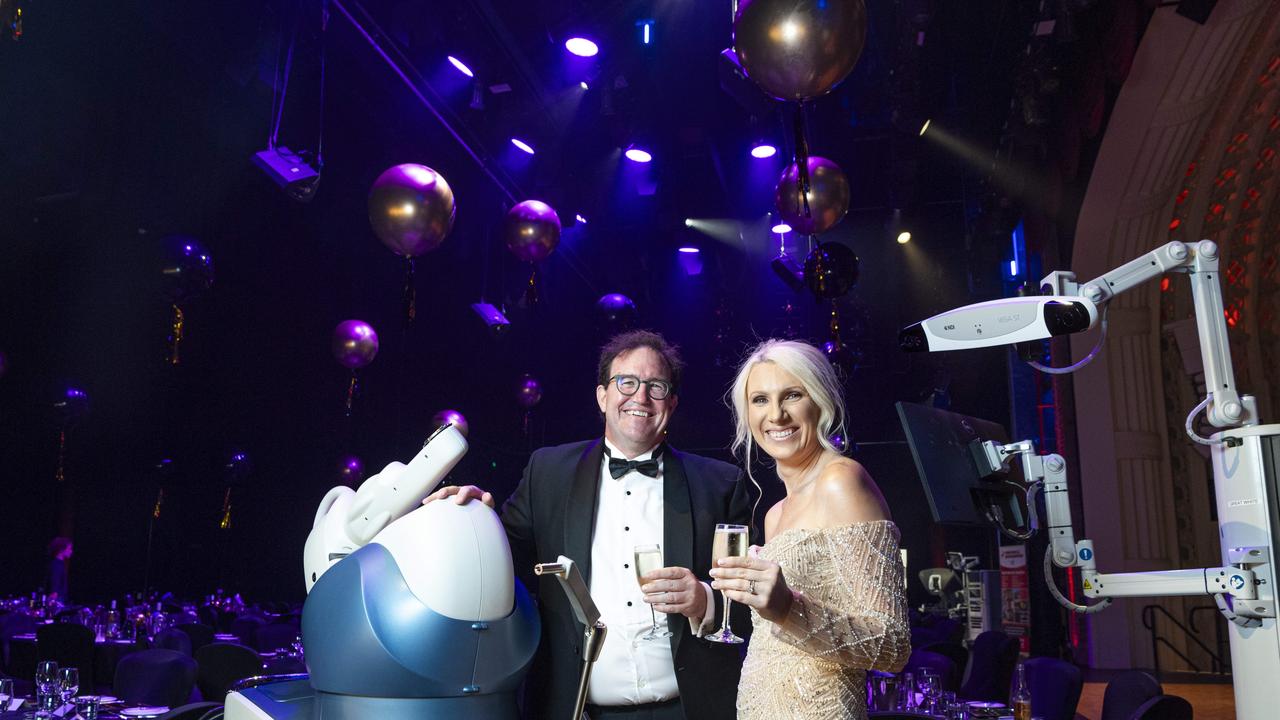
411	209
828	197
799	49
531	230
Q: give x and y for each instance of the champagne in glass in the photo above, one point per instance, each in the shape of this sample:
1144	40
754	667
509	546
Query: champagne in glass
649	558
729	541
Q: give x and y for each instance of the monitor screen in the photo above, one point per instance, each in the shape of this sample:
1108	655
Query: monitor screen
939	442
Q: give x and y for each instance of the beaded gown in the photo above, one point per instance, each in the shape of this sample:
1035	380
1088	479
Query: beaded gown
850	616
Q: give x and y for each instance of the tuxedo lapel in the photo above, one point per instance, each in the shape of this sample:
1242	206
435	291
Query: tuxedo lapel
580	508
677	527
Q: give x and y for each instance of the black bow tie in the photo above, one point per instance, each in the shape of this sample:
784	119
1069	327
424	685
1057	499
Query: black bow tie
619	467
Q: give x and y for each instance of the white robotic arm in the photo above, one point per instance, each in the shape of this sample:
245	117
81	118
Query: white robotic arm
348	519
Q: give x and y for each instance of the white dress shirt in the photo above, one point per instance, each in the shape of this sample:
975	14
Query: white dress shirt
630	671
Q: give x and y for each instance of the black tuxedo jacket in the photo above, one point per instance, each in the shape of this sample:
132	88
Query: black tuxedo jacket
552	512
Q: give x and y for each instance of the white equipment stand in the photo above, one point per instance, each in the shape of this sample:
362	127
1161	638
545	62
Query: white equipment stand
1245	455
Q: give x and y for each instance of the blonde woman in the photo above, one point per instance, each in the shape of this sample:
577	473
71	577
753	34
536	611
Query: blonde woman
826	587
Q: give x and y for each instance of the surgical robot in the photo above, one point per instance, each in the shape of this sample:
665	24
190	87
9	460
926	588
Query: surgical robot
1244	453
412	611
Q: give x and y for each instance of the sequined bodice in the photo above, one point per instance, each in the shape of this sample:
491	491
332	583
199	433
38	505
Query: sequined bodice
850	615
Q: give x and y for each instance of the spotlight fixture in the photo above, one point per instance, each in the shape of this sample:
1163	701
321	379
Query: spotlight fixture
584	85
477	96
763	150
688	222
581	47
493	318
461	66
782	228
580	219
635	154
290	171
690	250
646	30
925	126
522	145
789	270
904	237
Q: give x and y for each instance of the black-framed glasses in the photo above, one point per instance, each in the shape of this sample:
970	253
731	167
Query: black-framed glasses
630	385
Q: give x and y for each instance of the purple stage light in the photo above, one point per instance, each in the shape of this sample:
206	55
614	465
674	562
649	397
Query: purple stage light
581	47
635	154
782	228
763	150
522	145
461	66
689	249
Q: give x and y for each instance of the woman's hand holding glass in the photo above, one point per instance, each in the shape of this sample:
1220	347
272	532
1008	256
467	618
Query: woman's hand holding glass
754	581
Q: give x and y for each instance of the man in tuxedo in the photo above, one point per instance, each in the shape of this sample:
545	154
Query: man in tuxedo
594	501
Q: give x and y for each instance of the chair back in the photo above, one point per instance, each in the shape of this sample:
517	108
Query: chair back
221	664
199	633
1126	692
245	626
1055	687
70	644
275	636
957	653
991	663
155	677
941	665
1164	707
174	639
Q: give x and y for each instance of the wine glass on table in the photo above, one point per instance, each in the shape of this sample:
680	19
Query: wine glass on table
729	541
649	558
68	684
46	687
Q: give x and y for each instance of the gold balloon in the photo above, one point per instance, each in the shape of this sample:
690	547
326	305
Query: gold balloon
411	209
799	49
531	230
828	197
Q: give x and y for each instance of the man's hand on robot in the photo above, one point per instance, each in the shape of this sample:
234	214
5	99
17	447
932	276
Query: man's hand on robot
675	590
460	494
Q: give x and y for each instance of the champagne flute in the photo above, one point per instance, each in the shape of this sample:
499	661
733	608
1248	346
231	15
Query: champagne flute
649	558
729	541
46	686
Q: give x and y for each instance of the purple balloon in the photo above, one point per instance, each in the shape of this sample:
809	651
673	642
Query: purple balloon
451	417
617	309
528	392
531	230
355	344
72	406
411	209
351	470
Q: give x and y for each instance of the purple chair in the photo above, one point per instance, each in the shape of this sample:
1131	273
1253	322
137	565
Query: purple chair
941	665
275	636
1127	692
957	653
221	664
199	633
1164	707
174	639
155	677
1055	687
991	663
71	645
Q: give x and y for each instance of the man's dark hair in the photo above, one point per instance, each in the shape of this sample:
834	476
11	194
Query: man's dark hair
57	545
628	341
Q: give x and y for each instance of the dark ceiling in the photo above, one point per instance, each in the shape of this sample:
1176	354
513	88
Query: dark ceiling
121	123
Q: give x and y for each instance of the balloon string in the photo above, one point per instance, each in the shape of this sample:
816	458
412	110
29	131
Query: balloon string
59	475
410	294
155	512
175	339
526	422
351	392
531	292
802	159
226	511
835	323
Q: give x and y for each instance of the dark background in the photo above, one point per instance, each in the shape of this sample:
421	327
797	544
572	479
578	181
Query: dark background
122	123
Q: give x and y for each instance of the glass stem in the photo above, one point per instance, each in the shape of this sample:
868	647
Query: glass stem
728	630
654	616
